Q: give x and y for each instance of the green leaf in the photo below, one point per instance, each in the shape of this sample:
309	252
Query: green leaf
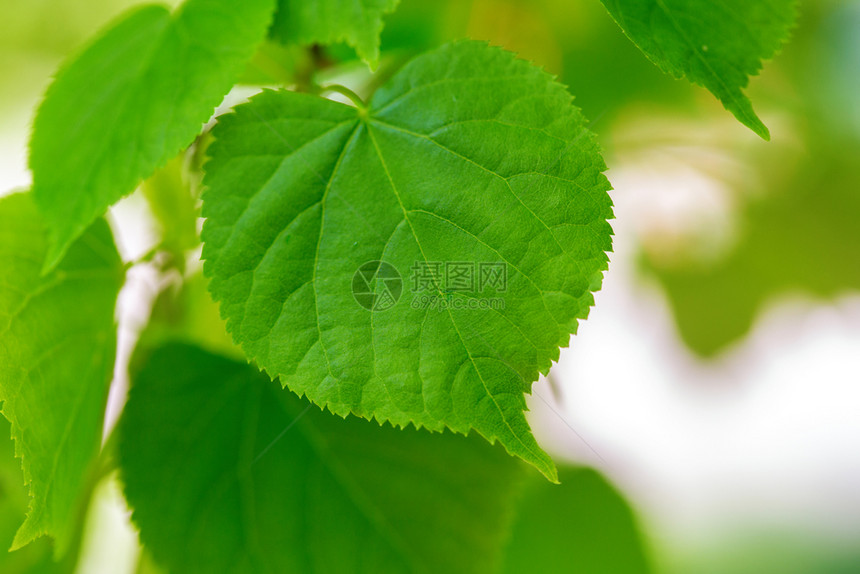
14	499
356	22
57	344
581	526
466	155
717	45
797	238
131	101
228	473
187	314
171	199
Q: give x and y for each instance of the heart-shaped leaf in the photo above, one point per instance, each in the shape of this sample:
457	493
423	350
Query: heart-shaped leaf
229	474
419	261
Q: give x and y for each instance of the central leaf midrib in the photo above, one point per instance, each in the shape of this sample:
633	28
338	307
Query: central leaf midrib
450	315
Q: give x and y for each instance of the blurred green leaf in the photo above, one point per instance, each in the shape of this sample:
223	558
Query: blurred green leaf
356	22
717	45
418	25
186	314
37	557
579	41
168	193
229	473
276	64
798	238
582	526
57	345
131	101
795	202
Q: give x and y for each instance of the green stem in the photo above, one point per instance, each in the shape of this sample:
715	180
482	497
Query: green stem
344	91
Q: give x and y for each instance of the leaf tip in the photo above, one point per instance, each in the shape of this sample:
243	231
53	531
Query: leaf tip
56	252
758	127
25	534
551	473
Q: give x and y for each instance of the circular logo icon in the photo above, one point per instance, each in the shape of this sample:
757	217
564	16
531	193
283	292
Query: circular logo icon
377	286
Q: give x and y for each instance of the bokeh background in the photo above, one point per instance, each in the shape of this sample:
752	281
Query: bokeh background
717	381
